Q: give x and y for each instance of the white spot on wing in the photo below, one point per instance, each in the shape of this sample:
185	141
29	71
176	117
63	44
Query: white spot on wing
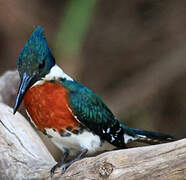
141	136
118	130
128	138
112	139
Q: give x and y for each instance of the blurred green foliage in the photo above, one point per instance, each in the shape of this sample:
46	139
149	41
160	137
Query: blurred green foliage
74	27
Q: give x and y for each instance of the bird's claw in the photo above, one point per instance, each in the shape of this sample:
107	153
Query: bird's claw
65	167
53	170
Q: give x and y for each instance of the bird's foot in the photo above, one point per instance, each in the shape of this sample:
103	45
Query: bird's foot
60	163
66	165
54	168
69	163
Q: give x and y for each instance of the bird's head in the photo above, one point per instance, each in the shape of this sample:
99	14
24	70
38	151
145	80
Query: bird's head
34	62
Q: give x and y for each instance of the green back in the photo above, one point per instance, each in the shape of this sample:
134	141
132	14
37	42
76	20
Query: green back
94	114
87	104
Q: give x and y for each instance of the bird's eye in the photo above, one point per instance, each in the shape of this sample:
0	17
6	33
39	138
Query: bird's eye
42	65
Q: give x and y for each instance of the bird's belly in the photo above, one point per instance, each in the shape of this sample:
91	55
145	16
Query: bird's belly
77	142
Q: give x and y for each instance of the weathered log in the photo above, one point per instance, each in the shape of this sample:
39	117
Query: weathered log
23	155
9	82
165	162
8	86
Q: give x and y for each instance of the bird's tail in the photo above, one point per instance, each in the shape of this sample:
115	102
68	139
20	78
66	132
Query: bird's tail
132	134
151	137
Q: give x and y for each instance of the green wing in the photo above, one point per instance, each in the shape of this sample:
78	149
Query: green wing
89	108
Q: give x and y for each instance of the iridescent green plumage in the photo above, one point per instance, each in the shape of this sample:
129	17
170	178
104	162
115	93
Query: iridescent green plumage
34	62
36	57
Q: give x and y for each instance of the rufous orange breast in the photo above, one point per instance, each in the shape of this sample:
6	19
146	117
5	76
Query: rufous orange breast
48	106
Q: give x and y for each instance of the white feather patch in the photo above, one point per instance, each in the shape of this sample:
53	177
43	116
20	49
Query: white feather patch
76	142
128	138
30	119
55	73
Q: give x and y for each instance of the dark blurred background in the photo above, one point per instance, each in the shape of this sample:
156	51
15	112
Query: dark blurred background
132	53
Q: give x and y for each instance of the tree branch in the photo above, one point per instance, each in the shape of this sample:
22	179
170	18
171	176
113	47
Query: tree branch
165	161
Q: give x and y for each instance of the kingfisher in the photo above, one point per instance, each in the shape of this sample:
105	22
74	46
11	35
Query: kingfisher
74	117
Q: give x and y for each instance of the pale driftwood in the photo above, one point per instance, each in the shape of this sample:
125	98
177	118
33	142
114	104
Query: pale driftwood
165	162
9	82
8	86
22	153
24	156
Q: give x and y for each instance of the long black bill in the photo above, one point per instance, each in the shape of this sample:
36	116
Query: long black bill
24	85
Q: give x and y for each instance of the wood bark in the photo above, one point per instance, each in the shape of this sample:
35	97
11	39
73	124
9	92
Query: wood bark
23	155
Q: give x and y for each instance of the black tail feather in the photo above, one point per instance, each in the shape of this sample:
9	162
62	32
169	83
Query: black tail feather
151	137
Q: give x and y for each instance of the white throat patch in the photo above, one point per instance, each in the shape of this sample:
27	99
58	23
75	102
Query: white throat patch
55	73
